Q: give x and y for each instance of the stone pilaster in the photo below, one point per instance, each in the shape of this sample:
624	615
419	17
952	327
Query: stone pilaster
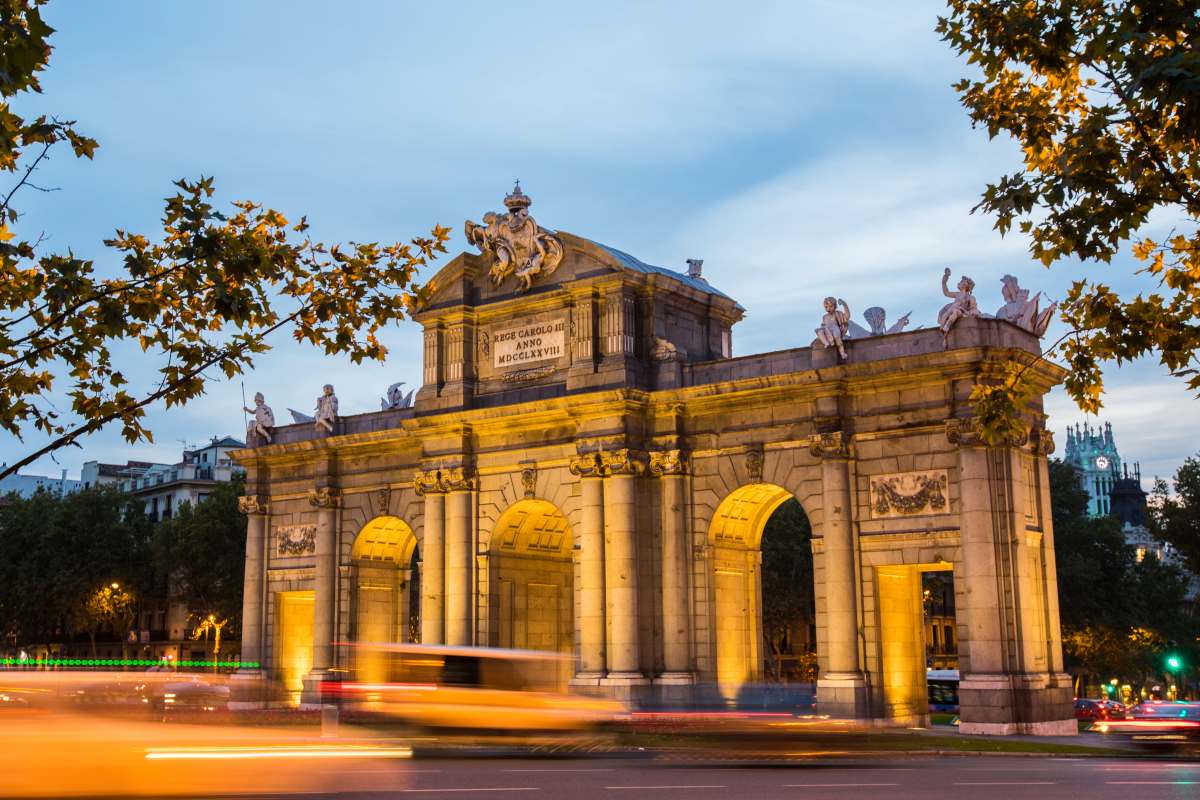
257	522
842	687
621	568
1004	691
327	500
670	466
433	557
460	595
592	624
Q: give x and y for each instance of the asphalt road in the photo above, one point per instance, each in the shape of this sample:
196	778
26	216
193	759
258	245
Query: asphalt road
928	778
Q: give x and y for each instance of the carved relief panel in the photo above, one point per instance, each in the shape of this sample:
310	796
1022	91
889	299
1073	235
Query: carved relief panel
906	494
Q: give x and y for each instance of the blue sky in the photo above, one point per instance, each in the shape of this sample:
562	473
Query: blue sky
800	149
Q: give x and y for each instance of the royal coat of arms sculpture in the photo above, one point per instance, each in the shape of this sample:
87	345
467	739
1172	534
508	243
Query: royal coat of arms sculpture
516	243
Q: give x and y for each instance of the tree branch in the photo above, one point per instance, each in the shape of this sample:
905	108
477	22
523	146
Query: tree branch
93	425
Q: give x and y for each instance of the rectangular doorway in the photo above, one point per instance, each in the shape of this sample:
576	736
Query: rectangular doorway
294	638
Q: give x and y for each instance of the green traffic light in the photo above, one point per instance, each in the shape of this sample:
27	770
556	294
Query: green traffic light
1173	662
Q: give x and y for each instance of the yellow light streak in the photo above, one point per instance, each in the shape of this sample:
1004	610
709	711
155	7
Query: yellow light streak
301	751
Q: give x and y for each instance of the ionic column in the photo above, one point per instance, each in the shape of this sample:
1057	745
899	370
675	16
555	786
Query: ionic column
255	509
620	567
670	467
326	500
433	558
591	569
843	682
458	577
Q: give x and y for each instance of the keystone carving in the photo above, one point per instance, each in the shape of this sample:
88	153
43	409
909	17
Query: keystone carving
835	444
754	466
529	481
325	497
252	504
383	499
667	462
517	245
444	479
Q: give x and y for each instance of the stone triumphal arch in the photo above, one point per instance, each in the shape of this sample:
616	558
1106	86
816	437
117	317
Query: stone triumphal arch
588	468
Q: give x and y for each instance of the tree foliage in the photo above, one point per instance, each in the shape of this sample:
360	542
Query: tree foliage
1104	99
57	552
201	296
61	555
1175	515
1119	615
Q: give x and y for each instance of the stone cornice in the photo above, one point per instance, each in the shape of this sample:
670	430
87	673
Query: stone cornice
325	497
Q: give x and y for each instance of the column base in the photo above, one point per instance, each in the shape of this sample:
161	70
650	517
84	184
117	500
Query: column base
586	679
310	693
1036	704
624	686
247	690
676	679
843	695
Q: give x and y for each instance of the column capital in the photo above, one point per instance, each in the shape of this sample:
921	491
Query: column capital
624	462
668	462
832	445
968	432
325	497
253	504
1041	441
443	480
587	465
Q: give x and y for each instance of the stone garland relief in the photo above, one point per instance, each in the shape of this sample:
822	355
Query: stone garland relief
252	504
906	494
295	540
442	480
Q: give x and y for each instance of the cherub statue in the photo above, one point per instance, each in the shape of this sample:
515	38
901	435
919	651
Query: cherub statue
327	410
264	418
835	324
963	302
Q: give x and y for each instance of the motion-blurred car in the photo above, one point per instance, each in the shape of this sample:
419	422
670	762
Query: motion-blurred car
193	695
466	688
1156	723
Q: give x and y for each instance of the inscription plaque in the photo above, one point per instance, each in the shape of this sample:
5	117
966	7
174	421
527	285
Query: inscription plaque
528	344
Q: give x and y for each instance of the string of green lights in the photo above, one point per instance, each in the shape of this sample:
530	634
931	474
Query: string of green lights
121	662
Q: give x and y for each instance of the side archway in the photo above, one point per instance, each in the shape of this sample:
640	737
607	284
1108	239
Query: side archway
386	590
735	535
532	578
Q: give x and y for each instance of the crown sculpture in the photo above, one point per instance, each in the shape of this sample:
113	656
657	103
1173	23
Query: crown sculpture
518	245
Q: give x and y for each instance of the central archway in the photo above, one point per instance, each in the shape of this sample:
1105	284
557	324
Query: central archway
532	584
384	555
735	534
